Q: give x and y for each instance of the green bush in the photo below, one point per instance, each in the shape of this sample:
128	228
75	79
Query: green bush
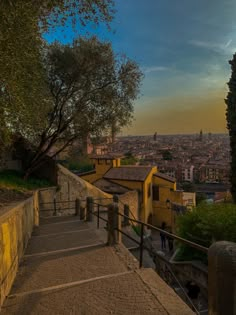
12	179
137	229
206	224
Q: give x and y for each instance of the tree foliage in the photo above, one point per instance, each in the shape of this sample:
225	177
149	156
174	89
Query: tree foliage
231	123
129	159
23	89
206	224
166	155
89	86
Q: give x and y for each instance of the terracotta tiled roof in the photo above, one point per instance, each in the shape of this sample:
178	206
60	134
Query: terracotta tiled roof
136	173
166	177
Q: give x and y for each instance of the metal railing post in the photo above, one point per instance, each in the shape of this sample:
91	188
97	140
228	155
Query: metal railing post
90	206
118	223
222	278
98	215
77	206
55	207
82	213
126	213
141	247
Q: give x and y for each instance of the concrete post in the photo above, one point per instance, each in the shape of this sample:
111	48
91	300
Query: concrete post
90	207
77	206
126	212
222	278
114	223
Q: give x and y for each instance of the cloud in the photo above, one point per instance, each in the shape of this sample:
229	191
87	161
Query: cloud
154	69
225	48
228	43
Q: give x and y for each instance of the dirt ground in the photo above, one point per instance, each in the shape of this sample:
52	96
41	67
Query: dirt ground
8	196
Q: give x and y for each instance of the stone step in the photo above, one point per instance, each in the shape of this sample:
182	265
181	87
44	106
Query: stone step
60	227
114	294
37	272
57	219
55	242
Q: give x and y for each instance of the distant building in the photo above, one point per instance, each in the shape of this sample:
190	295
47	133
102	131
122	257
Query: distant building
155	137
214	173
188	173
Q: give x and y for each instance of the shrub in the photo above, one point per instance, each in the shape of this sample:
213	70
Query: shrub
205	225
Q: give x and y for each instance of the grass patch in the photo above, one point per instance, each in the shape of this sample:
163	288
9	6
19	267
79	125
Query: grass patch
10	179
137	229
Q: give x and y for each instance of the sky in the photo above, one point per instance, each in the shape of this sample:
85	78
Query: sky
183	48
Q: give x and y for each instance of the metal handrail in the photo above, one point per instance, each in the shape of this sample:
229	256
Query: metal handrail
178	238
150	226
182	289
52	202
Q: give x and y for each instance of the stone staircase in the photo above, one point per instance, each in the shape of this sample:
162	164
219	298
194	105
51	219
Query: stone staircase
68	269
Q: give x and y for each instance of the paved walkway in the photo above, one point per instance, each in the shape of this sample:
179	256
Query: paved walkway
68	269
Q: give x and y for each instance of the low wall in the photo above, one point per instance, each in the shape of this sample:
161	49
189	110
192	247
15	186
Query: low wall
71	187
16	225
184	271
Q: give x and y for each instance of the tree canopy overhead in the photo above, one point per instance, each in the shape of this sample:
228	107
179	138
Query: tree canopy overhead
90	86
23	88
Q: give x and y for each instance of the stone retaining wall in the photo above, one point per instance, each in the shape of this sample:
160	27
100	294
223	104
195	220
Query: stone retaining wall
16	225
70	187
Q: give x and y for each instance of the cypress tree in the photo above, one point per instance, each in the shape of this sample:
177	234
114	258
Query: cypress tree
231	123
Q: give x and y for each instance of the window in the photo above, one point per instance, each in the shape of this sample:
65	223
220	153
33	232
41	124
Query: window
155	193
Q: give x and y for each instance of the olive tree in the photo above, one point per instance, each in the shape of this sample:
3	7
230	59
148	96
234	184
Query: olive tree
89	87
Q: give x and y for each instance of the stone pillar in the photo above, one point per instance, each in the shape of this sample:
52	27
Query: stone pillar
90	207
222	278
114	223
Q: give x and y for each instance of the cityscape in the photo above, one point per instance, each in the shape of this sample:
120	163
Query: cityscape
117	157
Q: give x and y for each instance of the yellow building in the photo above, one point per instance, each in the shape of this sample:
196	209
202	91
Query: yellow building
136	178
102	164
168	202
131	177
159	201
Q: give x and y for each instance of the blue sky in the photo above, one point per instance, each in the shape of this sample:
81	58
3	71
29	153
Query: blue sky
183	48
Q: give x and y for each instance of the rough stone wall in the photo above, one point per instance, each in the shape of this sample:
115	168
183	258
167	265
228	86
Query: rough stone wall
70	187
184	271
130	198
16	226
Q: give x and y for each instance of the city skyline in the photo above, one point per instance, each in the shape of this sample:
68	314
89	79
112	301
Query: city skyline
183	49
